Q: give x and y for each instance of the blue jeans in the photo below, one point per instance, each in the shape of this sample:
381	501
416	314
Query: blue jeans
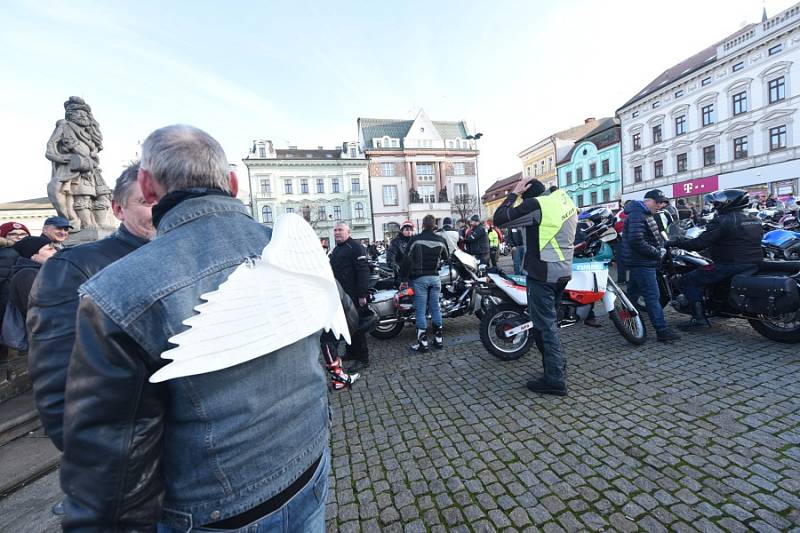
517	256
304	512
543	299
693	282
426	296
643	282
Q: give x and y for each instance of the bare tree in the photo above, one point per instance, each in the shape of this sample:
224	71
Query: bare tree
464	206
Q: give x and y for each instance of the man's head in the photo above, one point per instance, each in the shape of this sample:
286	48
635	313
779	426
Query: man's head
428	222
489	222
474	220
181	157
447	221
14	231
341	232
407	228
461	222
533	189
653	200
56	229
129	205
39	249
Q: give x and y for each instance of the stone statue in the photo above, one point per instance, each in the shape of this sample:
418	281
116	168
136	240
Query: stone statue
77	189
443	195
413	196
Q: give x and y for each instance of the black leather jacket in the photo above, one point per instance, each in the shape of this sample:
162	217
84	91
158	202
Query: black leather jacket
351	268
733	237
51	320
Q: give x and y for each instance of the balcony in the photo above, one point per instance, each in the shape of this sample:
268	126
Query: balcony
360	222
264	194
426	207
360	193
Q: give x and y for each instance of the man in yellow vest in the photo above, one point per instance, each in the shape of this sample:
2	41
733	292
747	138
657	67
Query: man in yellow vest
549	222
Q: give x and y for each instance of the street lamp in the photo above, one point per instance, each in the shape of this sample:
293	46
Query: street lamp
477	178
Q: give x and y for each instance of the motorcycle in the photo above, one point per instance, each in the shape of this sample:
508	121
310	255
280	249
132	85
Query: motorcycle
768	297
505	328
781	244
460	277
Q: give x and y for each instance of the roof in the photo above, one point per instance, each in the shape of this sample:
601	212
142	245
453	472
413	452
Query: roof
573	133
688	66
374	128
33	203
496	189
302	153
606	134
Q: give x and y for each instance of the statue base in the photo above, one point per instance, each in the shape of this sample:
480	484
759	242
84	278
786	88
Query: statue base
87	235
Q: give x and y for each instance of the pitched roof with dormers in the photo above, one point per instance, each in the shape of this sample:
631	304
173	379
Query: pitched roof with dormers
605	134
376	128
302	153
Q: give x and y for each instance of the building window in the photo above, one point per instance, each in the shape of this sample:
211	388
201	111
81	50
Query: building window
262	152
708	114
706	81
353	151
359	211
740	103
679	93
307	213
606	195
320	185
709	156
657	134
335	185
740	147
777	138
637	174
637	141
321	213
775	49
580	201
462	190
680	125
569	177
578	175
427	193
390	195
658	168
593	196
634	114
777	90
395	143
266	214
387	169
290	210
458	169
592	170
355	184
738	66
606	167
425	172
266	186
680	162
287	186
304	186
655	105
337	212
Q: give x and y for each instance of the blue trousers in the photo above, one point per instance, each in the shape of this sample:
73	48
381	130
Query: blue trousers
427	290
643	283
517	256
692	283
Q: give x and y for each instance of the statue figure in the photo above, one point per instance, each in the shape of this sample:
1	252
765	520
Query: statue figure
443	195
77	189
413	196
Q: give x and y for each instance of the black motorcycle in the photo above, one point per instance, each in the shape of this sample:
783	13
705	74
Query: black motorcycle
768	297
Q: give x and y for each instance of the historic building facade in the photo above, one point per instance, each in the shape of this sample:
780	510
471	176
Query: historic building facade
497	192
590	171
722	118
418	167
321	185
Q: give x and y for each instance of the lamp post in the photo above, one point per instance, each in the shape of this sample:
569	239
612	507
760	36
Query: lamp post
477	177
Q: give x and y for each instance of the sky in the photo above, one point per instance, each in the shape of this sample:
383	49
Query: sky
302	72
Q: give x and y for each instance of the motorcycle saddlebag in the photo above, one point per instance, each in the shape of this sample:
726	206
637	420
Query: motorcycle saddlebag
764	295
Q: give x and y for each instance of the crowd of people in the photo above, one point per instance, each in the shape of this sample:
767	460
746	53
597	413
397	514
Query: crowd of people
248	445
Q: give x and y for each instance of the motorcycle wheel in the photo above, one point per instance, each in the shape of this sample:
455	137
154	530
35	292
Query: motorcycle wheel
630	326
503	349
785	331
387	331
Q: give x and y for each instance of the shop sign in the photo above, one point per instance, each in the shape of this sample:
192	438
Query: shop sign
695	187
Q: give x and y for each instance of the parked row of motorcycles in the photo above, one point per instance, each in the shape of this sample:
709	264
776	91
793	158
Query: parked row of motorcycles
768	297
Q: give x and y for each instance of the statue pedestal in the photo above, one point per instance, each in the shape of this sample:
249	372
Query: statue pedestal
87	235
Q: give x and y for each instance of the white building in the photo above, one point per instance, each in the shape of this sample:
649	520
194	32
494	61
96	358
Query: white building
322	185
722	118
419	167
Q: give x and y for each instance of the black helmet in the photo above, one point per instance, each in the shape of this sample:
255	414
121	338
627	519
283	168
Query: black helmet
730	199
708	199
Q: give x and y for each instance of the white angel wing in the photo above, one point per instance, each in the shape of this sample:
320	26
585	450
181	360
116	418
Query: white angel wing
284	296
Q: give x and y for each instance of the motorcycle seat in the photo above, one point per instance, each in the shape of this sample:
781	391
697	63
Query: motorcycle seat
779	266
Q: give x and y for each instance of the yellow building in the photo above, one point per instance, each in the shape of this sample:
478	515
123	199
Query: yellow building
539	160
497	192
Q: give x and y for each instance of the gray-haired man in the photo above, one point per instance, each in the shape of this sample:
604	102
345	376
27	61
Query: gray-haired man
243	445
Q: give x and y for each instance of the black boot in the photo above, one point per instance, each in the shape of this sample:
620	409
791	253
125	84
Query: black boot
438	338
421	346
359	365
666	335
698	320
545	387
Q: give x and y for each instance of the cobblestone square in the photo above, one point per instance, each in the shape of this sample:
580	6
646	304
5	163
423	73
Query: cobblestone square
700	435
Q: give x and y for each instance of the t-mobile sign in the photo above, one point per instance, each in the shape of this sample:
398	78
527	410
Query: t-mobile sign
694	187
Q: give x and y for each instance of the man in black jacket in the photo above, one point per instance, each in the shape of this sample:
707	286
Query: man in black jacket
734	238
397	248
351	269
477	240
54	299
421	267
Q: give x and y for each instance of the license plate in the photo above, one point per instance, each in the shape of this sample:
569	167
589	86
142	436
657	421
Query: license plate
519	329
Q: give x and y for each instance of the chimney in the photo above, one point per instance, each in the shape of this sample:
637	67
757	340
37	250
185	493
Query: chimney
588	120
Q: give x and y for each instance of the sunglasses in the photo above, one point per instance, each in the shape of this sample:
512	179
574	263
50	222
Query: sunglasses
16	234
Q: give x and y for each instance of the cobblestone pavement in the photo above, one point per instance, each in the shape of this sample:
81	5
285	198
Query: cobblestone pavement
701	435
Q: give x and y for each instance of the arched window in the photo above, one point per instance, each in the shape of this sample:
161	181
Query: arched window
359	210
307	213
266	214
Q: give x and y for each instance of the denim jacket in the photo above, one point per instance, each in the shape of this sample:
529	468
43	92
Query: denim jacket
192	450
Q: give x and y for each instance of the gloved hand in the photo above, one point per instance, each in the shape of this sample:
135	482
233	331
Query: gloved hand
662	252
